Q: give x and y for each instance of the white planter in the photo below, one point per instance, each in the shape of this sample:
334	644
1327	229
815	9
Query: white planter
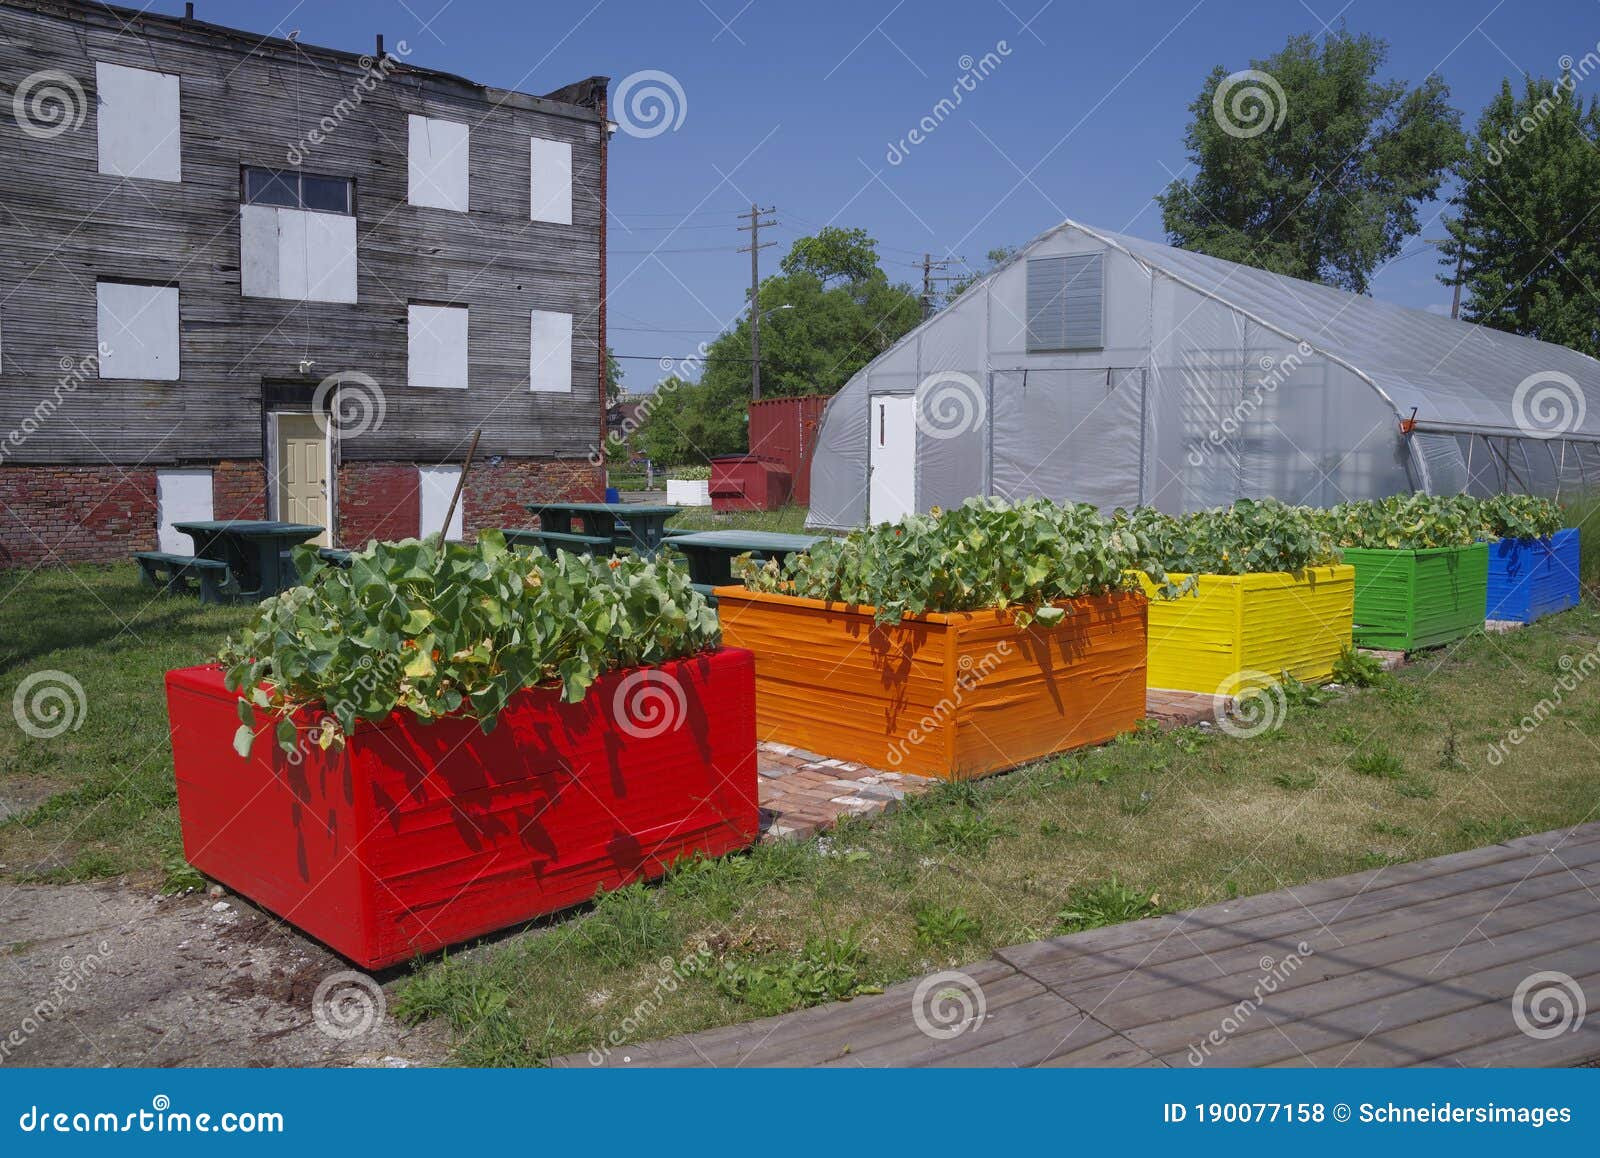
689	492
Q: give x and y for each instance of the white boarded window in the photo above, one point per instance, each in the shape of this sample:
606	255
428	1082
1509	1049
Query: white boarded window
550	174
436	346
550	353
182	496
437	485
1066	303
296	254
138	331
138	123
436	163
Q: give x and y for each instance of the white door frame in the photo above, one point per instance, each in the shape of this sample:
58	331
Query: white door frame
274	499
872	433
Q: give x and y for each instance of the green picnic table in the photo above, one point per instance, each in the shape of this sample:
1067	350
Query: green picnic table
255	550
710	554
640	527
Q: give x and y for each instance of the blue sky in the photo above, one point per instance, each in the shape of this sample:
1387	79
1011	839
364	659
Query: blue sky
797	105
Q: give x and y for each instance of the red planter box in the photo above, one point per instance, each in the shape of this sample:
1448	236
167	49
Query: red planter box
416	836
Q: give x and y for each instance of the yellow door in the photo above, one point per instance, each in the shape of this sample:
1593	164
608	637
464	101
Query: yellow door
303	473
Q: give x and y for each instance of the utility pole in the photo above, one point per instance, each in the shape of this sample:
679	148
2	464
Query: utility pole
755	247
929	277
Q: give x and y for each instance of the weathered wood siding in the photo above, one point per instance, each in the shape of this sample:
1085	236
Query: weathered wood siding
246	103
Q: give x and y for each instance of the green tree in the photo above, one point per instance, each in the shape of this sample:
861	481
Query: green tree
814	346
833	254
1526	229
1309	165
613	376
995	258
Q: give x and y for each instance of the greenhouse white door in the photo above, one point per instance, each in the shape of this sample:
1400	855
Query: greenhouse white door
892	463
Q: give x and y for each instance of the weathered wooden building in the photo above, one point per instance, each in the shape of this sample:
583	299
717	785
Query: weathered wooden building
241	276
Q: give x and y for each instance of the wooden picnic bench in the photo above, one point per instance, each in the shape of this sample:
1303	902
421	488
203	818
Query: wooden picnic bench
637	527
551	541
255	552
176	573
710	554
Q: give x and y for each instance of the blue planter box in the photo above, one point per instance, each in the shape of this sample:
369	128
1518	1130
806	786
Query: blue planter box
1530	578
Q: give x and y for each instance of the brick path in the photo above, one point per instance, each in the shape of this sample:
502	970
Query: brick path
803	793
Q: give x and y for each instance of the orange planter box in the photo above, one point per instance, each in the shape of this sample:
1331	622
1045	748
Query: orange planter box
952	695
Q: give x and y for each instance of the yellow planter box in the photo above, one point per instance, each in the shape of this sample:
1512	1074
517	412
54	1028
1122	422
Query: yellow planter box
1237	630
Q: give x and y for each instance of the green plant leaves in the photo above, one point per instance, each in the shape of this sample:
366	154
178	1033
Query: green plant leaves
436	629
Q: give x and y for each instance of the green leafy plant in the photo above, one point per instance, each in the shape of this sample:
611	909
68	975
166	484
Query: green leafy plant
1518	516
830	969
1356	669
939	927
1377	762
445	629
986	553
1405	522
1107	903
1251	536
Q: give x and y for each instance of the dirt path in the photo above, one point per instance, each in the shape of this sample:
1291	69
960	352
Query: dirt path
104	974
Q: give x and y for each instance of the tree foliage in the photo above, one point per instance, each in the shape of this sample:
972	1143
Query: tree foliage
1527	224
1309	165
843	312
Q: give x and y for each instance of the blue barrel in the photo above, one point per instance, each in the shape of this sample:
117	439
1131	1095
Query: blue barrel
613	495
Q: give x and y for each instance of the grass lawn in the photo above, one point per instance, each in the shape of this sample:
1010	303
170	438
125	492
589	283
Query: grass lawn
791	520
1153	821
102	797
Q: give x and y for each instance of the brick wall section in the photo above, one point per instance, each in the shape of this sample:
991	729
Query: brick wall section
53	515
239	490
377	500
497	493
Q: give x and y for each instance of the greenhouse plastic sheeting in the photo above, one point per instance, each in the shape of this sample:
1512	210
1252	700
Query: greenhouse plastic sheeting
1211	381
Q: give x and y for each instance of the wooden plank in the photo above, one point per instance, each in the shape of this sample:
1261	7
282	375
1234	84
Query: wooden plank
1379	1006
1482	1017
1355	977
1067	962
1364	920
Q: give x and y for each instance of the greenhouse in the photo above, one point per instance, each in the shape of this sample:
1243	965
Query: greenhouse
1103	368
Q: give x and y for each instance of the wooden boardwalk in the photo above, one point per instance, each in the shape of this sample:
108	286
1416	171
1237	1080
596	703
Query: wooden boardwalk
1416	964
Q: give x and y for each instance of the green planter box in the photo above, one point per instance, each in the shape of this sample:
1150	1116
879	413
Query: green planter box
1412	599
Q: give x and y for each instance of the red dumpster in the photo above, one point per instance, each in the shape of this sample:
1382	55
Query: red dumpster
748	482
785	429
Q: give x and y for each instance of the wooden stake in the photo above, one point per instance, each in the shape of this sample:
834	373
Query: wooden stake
472	449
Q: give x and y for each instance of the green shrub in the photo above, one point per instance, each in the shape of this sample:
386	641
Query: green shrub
438	629
1249	537
986	553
